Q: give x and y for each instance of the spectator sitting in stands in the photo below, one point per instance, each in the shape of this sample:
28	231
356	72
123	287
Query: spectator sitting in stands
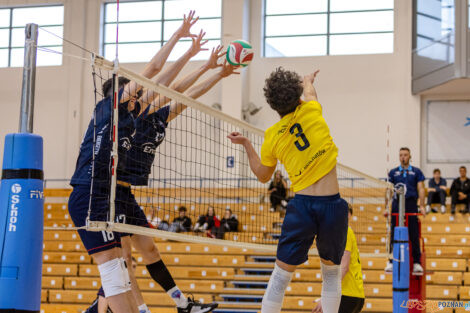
182	223
156	222
437	192
278	191
460	191
227	224
205	223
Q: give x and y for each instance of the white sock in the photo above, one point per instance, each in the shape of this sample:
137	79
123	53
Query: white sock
143	307
177	296
331	288
274	294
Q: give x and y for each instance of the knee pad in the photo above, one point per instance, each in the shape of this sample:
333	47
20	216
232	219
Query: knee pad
274	295
331	280
114	277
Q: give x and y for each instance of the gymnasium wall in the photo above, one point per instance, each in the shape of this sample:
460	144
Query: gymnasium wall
360	95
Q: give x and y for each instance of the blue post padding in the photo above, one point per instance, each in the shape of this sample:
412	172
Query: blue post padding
401	270
21	225
22	151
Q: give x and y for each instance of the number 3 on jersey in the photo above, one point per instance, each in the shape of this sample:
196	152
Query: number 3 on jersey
302	143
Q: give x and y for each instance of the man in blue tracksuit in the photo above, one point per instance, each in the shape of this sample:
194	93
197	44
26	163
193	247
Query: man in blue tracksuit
412	179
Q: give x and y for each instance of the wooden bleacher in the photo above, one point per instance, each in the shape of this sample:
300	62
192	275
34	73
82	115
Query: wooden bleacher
211	273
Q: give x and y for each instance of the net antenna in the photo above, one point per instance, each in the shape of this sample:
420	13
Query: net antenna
389	192
114	133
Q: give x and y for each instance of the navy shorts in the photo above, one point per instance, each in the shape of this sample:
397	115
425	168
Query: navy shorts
307	217
128	211
79	202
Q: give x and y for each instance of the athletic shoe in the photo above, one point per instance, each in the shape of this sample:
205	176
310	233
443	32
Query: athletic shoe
417	269
443	209
452	210
389	267
428	209
197	307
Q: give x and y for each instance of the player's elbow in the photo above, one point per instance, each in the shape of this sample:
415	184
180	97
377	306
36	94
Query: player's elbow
263	179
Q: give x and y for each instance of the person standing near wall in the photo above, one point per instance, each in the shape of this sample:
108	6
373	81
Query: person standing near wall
412	179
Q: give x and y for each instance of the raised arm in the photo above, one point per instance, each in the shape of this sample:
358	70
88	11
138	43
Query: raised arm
176	108
173	70
158	61
310	94
183	84
263	172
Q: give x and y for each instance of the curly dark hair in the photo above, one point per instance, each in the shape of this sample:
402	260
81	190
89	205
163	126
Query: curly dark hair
108	84
282	90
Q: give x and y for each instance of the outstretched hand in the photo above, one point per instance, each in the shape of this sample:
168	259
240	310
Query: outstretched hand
188	22
237	138
310	78
216	54
228	69
197	44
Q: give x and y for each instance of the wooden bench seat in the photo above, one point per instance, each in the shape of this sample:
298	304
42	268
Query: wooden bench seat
66	257
444	278
60	269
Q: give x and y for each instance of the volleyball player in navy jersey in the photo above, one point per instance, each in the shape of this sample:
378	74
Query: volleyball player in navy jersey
150	132
91	179
126	207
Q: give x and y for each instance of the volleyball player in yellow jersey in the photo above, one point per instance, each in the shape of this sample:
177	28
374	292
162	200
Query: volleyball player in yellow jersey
301	141
352	299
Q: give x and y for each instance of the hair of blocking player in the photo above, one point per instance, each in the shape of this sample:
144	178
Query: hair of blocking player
405	149
283	90
107	85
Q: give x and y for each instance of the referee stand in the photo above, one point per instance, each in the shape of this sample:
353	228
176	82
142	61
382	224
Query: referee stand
22	201
408	290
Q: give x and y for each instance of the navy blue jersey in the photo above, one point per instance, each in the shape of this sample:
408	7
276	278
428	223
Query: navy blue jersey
150	132
102	149
410	177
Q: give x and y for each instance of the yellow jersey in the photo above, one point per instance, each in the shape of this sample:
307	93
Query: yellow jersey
301	141
352	284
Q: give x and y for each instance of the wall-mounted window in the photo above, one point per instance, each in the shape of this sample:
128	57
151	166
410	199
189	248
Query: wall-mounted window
327	27
144	26
12	34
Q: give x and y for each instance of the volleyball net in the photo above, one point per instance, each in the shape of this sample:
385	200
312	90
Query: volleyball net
194	185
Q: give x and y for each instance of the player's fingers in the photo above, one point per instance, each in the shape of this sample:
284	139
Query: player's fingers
195	20
204	42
